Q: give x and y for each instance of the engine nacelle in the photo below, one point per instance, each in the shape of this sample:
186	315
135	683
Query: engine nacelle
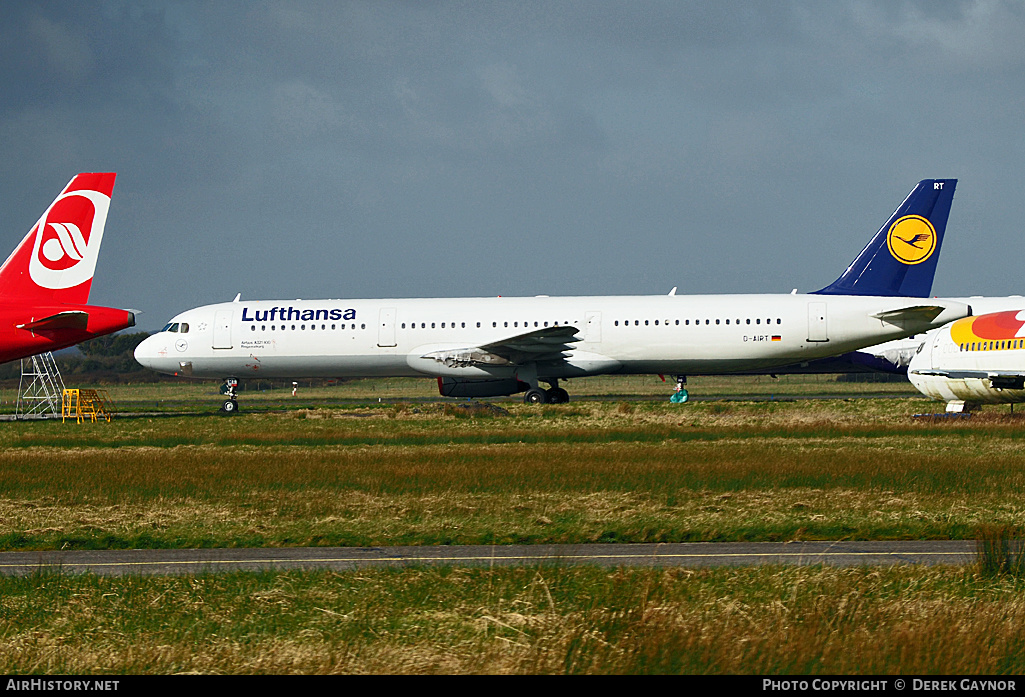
454	387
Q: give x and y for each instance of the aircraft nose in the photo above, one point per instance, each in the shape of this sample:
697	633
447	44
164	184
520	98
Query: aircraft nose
148	352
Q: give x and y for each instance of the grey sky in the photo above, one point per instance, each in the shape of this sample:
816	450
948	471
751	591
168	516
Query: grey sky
418	149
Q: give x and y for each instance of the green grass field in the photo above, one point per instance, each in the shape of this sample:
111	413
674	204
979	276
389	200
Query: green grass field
324	470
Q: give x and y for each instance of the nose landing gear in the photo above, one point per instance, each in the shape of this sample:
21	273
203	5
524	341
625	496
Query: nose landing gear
230	405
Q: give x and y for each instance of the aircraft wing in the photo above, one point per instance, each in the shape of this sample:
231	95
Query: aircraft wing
545	344
541	345
61	320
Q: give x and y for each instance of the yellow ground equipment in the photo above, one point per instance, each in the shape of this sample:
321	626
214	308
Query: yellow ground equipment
87	404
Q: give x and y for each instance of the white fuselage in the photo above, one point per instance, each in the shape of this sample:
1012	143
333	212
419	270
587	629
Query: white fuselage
979	372
668	334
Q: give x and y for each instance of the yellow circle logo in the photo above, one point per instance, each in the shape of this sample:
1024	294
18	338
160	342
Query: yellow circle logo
911	240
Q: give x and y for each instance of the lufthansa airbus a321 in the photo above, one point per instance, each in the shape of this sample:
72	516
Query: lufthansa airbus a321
482	347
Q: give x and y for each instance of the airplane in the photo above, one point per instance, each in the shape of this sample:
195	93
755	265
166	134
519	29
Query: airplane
45	283
487	347
973	361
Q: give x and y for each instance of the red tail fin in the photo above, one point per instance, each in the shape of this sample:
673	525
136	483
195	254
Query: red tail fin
56	260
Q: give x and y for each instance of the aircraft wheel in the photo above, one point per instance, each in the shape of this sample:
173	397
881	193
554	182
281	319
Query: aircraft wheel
230	406
535	395
557	395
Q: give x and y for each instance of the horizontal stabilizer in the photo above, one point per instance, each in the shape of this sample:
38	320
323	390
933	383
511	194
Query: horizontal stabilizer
913	313
61	320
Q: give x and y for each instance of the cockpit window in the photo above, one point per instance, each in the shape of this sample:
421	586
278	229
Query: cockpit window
185	328
173	327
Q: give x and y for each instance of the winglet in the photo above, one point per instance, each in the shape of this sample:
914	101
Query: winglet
900	260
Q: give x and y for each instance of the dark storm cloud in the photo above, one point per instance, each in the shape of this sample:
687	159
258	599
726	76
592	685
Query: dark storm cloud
442	148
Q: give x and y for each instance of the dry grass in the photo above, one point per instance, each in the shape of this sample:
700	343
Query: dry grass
409	472
190	395
765	620
431	475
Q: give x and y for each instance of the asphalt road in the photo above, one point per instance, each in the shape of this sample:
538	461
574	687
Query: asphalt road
690	555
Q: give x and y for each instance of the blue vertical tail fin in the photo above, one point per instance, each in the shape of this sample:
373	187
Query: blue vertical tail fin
901	258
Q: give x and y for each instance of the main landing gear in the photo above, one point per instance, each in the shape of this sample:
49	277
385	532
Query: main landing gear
553	395
230	405
680	395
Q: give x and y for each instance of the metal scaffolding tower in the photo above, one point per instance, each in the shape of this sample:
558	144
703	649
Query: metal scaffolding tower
41	388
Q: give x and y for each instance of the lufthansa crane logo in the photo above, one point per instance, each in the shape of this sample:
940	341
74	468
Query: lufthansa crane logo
911	240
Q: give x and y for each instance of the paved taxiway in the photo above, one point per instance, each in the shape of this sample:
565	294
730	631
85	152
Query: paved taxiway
692	555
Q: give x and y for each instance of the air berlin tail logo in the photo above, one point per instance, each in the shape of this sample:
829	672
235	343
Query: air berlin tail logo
68	239
67	248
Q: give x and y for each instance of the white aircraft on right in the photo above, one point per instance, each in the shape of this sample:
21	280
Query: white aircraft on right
973	361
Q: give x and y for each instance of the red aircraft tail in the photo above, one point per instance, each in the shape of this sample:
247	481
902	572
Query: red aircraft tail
56	260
